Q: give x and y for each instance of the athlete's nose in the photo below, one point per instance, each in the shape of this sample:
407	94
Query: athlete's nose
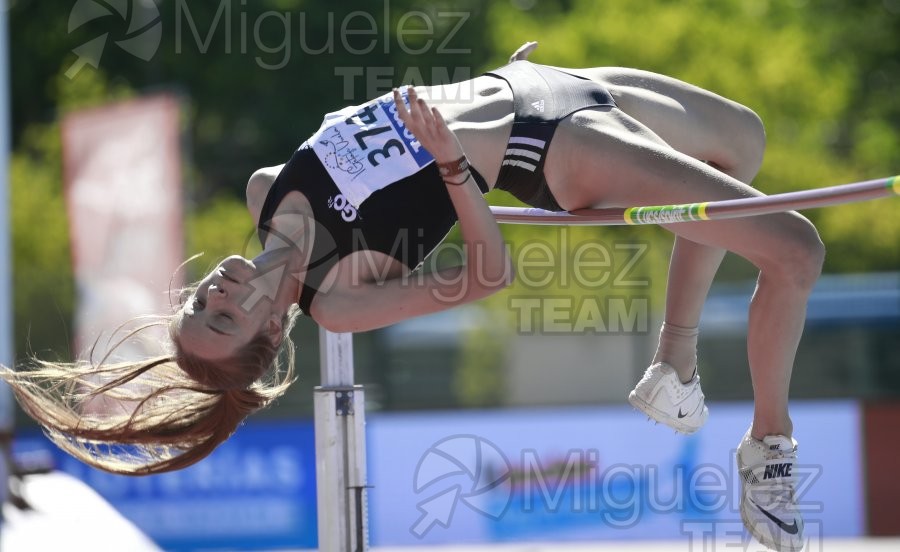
218	292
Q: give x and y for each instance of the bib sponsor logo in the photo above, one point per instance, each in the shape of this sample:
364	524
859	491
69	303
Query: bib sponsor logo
366	148
337	154
339	203
419	153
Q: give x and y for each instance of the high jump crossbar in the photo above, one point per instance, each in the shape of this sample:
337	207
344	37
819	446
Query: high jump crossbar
340	405
708	210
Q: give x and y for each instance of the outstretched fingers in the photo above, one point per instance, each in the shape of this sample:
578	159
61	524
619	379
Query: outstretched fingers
427	125
418	117
438	118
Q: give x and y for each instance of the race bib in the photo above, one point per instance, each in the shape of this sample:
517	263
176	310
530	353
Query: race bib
366	148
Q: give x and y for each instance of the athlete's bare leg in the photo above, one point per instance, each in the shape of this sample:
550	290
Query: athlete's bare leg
622	162
707	127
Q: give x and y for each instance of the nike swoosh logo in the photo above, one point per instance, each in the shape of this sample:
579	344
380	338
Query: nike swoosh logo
791	529
680	414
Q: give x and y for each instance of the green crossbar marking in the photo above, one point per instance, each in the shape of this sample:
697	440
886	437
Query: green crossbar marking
694	211
682	212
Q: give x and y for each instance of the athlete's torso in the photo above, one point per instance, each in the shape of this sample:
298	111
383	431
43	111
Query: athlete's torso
479	111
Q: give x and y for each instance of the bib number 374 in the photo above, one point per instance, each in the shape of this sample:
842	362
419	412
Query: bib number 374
365	117
365	148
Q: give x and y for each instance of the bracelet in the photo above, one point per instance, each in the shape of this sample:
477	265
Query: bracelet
453	168
460	183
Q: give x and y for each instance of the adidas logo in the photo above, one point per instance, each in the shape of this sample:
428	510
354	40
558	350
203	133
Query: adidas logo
777	470
538	106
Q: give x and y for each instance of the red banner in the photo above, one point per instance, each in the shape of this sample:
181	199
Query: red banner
122	166
882	449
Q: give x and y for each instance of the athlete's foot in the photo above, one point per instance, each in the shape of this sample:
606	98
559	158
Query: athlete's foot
663	397
768	502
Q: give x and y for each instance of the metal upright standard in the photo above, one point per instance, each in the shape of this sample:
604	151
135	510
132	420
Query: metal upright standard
340	449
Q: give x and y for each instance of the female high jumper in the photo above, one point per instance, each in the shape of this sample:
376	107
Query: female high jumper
345	222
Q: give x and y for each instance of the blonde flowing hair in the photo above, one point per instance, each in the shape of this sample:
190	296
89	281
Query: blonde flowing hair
170	411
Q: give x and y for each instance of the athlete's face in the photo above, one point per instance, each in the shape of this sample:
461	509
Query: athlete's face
225	312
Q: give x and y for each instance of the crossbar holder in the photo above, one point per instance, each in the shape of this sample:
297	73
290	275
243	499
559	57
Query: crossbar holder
341	485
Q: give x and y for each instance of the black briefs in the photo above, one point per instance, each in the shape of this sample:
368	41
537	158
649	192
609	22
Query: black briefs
542	96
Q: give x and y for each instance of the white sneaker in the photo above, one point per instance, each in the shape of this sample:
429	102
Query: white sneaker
768	503
662	396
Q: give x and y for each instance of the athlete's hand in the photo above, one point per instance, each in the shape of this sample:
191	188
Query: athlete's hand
524	51
428	127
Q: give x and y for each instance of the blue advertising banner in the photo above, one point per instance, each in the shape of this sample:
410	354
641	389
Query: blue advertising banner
550	475
256	491
582	474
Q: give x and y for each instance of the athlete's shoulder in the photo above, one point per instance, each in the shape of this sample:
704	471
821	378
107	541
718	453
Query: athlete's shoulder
258	187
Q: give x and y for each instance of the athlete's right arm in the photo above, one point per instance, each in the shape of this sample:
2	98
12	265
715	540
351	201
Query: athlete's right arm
488	266
487	255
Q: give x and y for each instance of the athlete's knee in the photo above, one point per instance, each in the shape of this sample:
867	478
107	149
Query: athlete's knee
802	253
754	133
738	143
749	138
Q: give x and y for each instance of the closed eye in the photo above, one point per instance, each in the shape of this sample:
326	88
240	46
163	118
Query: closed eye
215	329
198	303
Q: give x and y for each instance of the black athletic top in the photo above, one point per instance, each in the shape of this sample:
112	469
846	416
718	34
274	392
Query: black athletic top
405	220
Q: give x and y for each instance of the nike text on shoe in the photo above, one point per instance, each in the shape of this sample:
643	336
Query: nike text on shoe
768	502
662	396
